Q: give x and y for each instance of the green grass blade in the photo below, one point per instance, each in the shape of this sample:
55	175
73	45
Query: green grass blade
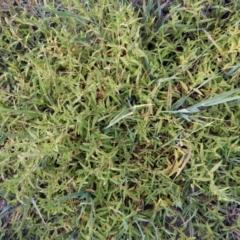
19	112
65	14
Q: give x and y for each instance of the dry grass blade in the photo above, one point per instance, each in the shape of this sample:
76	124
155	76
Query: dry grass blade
186	160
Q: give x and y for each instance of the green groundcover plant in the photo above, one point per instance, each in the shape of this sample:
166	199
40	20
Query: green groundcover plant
120	120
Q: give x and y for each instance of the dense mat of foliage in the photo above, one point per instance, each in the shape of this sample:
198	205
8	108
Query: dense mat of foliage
120	121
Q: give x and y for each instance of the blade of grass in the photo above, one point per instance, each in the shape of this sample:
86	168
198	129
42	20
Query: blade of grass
188	157
82	194
125	114
6	210
221	98
213	41
181	101
65	14
233	70
38	211
23	112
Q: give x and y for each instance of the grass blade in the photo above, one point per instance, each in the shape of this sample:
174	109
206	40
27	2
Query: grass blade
23	112
65	14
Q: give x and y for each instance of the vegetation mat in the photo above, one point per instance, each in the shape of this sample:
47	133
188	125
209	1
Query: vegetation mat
120	120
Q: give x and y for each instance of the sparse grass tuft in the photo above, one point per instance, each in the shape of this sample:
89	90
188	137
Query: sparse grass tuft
119	120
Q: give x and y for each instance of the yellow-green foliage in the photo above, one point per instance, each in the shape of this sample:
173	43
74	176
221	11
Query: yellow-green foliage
120	121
